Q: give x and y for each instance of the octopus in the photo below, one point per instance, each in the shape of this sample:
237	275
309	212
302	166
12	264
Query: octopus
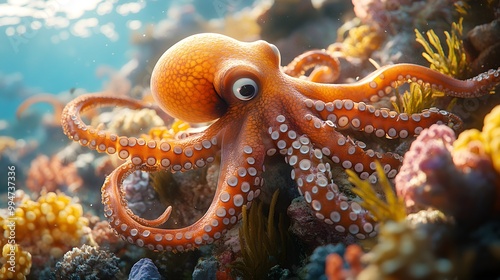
255	110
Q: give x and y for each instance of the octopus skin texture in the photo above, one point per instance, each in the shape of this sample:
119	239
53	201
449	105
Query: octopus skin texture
258	110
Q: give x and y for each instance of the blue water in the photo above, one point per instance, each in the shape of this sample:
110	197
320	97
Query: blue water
53	60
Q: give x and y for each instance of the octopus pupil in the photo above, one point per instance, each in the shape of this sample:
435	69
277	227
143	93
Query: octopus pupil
247	90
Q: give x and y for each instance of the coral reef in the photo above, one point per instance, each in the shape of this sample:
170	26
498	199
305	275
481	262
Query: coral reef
134	122
433	175
334	262
403	252
16	262
141	197
50	226
144	269
52	174
88	262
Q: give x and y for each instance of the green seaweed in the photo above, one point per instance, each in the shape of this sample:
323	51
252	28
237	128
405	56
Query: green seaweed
392	208
263	244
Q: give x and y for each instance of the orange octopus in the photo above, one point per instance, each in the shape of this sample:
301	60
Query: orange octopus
257	110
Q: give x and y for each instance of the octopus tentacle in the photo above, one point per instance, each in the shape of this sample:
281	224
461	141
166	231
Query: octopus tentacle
328	72
57	105
313	176
236	187
179	155
382	122
382	81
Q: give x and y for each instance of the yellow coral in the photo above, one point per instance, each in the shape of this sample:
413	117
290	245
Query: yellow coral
489	137
361	41
16	262
164	132
51	225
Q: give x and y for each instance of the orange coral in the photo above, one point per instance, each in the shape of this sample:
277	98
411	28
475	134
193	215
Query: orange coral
52	174
334	264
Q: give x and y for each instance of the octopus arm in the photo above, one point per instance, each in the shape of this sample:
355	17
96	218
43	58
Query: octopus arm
238	185
346	114
384	80
179	155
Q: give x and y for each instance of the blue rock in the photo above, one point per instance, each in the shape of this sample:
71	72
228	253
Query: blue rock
144	269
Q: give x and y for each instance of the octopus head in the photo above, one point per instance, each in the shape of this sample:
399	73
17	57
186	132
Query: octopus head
202	76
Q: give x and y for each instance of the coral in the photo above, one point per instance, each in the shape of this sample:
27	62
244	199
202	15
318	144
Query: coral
49	226
454	63
402	252
144	269
392	209
262	241
488	138
360	41
89	263
134	122
432	175
103	235
141	197
335	264
52	174
16	262
317	261
6	142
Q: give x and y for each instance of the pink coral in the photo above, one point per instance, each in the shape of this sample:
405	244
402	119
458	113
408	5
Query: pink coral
52	174
460	183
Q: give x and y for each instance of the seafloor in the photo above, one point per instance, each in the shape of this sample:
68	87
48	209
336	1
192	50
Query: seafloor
438	219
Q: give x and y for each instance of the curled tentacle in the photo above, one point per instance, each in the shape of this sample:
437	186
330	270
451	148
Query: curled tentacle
190	152
238	186
328	72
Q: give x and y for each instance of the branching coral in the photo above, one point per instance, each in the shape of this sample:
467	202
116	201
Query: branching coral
454	63
52	174
89	263
360	42
50	226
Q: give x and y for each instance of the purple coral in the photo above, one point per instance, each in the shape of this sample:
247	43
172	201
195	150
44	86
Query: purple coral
141	197
432	176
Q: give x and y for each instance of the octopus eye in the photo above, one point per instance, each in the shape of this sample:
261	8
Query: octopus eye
245	89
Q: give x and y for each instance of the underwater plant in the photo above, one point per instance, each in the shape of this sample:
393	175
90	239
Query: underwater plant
263	242
453	62
392	209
